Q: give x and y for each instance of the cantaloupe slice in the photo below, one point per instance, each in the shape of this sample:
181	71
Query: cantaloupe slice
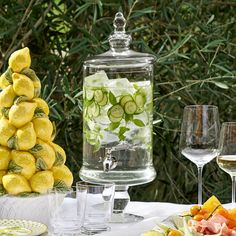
232	214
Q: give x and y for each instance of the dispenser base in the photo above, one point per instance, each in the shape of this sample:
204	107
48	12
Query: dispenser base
121	200
125	218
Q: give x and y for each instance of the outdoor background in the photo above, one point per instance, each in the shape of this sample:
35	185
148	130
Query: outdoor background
195	45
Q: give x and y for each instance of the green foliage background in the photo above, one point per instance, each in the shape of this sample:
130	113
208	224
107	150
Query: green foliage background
194	41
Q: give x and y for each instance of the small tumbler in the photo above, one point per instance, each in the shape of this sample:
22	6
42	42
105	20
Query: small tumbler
66	213
98	202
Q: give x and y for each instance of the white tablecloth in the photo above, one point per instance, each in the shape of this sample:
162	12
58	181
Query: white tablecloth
152	212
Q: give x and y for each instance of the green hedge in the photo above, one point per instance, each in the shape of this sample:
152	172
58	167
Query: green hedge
195	45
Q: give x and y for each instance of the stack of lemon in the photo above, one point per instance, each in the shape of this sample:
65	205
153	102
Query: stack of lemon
29	159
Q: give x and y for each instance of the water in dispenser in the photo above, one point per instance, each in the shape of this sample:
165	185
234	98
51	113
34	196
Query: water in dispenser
118	117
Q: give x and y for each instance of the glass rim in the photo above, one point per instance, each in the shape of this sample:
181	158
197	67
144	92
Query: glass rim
204	105
94	185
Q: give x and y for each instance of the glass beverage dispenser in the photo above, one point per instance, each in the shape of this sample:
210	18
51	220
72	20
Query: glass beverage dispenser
118	117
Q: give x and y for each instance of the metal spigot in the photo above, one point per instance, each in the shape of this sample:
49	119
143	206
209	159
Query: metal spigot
109	162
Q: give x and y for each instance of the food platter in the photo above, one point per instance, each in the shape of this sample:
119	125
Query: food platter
211	218
21	227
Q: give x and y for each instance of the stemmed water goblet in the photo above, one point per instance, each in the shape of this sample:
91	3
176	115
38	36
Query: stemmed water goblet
199	137
227	153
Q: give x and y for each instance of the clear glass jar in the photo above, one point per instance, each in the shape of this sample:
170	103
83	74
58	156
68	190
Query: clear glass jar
118	113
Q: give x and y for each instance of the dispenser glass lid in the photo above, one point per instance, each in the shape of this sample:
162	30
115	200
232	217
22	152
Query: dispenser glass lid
120	53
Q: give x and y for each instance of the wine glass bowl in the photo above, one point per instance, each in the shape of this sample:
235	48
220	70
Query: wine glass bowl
226	159
199	155
199	137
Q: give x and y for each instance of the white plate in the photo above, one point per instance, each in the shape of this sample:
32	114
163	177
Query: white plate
134	229
22	227
153	212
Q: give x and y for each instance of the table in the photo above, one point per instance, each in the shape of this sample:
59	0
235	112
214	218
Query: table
153	212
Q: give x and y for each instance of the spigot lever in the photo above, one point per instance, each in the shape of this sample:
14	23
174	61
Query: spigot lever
110	161
109	164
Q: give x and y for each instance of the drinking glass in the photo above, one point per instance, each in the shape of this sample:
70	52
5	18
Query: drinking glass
98	202
66	212
227	155
199	137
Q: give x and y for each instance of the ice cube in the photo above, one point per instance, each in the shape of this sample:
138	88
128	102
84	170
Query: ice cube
99	79
109	137
120	87
142	83
102	120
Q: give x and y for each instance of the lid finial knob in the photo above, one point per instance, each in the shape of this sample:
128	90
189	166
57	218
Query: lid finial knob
119	23
119	40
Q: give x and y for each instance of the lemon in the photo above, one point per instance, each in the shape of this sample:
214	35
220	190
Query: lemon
6	78
44	154
6	131
42	105
7	96
62	173
36	82
37	87
22	113
22	163
42	181
4	157
3	82
2	173
43	128
23	85
54	131
15	184
60	154
25	137
20	59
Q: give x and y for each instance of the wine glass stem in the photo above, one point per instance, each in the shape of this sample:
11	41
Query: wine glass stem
199	168
233	189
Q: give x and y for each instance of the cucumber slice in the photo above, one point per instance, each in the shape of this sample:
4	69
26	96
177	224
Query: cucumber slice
139	99
139	110
98	95
93	110
116	111
104	100
89	94
130	108
124	99
114	119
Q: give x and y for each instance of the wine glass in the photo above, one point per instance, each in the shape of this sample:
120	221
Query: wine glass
199	137
227	152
